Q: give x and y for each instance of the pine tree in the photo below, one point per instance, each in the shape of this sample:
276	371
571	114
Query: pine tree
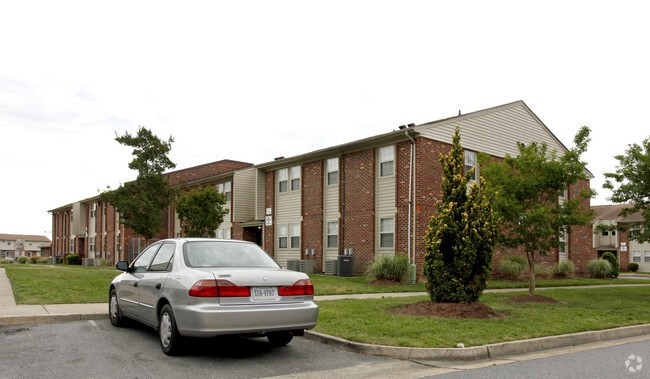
460	239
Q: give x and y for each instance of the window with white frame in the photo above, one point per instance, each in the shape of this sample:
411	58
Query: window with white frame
332	167
294	175
72	245
283	180
225	189
91	244
563	243
387	161
471	163
646	256
333	234
295	236
93	210
283	233
387	232
636	256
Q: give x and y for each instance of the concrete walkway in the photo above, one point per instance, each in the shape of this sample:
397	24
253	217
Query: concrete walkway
12	314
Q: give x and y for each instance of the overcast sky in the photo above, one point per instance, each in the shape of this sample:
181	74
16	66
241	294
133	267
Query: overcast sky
253	80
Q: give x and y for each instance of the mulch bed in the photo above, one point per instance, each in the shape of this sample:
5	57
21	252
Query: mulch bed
447	310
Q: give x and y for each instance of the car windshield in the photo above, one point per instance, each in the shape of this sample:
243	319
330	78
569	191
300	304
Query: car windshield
225	254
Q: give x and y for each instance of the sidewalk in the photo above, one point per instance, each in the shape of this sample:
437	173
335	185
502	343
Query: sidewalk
12	314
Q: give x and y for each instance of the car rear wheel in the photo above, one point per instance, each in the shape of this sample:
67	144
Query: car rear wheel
170	339
114	312
279	338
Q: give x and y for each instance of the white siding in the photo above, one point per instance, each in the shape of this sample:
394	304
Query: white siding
495	131
331	213
643	248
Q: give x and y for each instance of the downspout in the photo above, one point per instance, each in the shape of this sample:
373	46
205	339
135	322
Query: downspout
411	202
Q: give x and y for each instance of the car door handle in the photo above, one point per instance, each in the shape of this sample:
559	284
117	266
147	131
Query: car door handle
135	284
158	286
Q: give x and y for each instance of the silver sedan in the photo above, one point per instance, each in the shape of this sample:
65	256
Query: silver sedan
190	287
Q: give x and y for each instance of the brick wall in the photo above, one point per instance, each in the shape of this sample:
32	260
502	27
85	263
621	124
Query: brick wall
312	211
358	206
581	249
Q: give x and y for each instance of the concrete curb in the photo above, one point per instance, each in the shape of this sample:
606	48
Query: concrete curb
50	318
490	351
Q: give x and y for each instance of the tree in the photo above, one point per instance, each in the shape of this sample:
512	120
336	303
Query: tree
201	210
525	190
460	239
633	179
142	202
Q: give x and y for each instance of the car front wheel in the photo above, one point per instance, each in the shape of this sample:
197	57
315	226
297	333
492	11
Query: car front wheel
114	312
279	338
170	339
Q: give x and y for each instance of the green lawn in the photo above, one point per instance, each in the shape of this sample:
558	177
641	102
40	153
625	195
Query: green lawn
580	310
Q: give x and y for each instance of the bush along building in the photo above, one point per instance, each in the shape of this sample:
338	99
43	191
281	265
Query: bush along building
364	199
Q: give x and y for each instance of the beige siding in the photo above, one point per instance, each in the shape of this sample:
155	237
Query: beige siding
495	131
385	204
244	192
288	209
78	225
331	213
642	248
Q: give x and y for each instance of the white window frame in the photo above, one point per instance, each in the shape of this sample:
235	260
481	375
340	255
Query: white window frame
332	234
332	171
383	231
225	189
471	161
294	236
646	256
387	161
636	256
283	178
564	244
294	178
283	236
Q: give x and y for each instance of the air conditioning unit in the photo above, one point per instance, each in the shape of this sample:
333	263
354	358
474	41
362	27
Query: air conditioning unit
306	266
346	265
293	265
331	267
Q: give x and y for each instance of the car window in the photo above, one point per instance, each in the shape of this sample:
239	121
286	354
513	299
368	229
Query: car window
162	261
225	254
142	262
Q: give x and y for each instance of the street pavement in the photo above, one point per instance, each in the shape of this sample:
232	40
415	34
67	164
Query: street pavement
12	314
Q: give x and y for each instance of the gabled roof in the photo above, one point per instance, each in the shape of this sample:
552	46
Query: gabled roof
25	237
612	212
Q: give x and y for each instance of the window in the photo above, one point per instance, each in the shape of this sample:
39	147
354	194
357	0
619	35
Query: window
295	236
646	257
72	245
142	262
636	256
386	232
93	210
162	261
283	177
282	236
294	174
470	163
613	232
332	167
226	189
634	232
605	233
333	234
387	161
91	243
563	244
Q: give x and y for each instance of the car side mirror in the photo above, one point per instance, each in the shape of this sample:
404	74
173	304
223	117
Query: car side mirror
122	266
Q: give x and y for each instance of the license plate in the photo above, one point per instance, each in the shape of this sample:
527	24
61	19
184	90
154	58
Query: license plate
265	293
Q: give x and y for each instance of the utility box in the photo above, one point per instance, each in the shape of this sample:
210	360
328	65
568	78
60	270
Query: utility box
306	266
346	265
331	267
293	265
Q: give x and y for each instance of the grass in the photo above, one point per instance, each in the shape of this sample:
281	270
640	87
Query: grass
580	310
60	284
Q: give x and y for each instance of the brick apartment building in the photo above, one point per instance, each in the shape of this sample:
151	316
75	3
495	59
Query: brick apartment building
369	197
17	245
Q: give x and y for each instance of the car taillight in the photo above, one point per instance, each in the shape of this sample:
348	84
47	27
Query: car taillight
301	287
218	288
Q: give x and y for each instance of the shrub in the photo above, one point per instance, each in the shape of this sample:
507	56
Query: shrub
599	268
22	259
73	259
42	260
104	262
512	266
634	267
33	259
564	268
4	261
611	258
389	268
542	270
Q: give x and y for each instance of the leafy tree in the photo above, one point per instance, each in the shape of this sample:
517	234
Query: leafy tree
633	179
460	239
201	210
525	190
142	202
